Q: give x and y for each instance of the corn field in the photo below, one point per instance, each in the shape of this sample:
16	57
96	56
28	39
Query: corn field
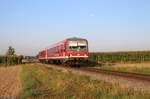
133	57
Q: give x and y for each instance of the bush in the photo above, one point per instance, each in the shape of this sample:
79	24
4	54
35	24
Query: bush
13	60
1	59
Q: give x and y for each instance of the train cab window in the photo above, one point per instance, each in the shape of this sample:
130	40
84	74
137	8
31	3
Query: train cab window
78	46
70	48
75	48
83	48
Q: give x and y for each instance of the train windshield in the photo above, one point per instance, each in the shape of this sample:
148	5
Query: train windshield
78	46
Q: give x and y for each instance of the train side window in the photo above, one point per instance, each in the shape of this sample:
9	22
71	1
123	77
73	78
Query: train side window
55	49
58	48
61	47
64	47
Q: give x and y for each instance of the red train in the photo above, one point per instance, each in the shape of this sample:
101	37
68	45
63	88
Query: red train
70	51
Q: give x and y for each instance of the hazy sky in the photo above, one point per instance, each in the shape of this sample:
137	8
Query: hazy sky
109	25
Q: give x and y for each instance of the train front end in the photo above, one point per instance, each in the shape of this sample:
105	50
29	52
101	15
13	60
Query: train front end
77	50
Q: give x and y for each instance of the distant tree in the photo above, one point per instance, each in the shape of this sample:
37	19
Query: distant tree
10	51
11	58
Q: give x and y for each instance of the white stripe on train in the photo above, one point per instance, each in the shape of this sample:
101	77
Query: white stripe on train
65	57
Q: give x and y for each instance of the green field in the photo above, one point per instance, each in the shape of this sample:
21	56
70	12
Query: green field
133	68
136	61
122	57
40	82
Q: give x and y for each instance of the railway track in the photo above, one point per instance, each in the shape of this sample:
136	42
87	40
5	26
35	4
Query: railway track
129	75
136	76
126	75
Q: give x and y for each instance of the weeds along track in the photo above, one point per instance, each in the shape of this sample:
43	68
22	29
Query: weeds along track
128	75
125	80
136	76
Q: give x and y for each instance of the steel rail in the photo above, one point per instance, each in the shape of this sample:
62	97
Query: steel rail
137	76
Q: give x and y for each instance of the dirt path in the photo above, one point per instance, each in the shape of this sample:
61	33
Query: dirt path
10	84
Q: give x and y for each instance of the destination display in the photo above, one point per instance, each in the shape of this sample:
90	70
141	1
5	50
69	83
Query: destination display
77	43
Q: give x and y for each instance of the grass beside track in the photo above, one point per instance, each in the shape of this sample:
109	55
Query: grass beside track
40	82
133	68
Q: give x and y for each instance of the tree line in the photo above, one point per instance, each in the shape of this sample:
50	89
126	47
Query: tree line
10	58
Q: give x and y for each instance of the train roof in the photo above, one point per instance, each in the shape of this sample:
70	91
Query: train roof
73	38
76	38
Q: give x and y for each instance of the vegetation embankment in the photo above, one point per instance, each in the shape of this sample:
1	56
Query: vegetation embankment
121	57
141	68
137	62
41	82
